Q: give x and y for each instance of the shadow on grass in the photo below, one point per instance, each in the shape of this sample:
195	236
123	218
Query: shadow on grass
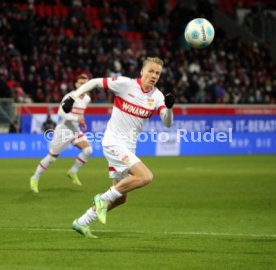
46	194
137	250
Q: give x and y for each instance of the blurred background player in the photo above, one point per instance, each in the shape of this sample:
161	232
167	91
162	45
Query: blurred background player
134	103
68	131
49	124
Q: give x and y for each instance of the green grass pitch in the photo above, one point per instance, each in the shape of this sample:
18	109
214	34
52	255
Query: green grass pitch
198	213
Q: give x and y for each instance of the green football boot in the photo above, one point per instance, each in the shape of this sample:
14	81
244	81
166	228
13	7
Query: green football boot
34	185
75	179
83	230
101	208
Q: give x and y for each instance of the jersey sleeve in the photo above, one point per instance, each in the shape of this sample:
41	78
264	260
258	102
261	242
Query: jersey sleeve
160	104
66	116
116	84
87	100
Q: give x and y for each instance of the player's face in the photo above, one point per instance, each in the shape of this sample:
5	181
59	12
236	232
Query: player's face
150	75
79	83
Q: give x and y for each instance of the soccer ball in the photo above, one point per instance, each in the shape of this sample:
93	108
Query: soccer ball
199	33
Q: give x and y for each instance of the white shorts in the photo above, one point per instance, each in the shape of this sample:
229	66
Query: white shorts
120	160
63	137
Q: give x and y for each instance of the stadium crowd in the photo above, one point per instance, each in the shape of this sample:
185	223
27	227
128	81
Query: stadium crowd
44	46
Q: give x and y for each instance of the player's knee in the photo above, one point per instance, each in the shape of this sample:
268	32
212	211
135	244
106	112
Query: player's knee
146	178
87	151
52	158
149	177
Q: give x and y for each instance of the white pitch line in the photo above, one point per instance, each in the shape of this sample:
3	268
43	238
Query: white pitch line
271	236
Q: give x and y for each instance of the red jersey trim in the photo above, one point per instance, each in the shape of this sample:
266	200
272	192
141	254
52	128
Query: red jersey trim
81	135
82	161
111	169
78	108
78	113
141	86
161	108
44	168
105	83
131	108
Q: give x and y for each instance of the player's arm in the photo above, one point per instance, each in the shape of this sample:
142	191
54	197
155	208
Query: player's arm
82	123
67	104
67	116
81	120
72	117
166	114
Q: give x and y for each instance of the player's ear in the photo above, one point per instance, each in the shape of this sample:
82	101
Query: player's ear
141	72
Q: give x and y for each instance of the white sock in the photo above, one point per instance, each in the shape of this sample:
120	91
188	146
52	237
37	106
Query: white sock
87	218
111	195
81	159
42	166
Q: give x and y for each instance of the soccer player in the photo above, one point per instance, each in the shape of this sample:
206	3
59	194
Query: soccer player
134	103
68	131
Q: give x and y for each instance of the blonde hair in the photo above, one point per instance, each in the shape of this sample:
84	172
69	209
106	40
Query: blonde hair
154	60
82	76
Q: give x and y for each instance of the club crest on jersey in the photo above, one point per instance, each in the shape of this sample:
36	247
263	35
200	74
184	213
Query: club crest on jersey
150	102
114	78
126	159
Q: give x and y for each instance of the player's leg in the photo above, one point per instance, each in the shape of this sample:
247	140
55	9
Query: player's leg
43	165
121	200
81	224
136	175
81	159
57	145
41	168
140	176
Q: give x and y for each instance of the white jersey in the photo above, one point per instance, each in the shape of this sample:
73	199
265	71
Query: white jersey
70	120
132	109
67	131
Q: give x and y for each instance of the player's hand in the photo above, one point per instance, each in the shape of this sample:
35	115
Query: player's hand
67	104
83	126
82	123
169	100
